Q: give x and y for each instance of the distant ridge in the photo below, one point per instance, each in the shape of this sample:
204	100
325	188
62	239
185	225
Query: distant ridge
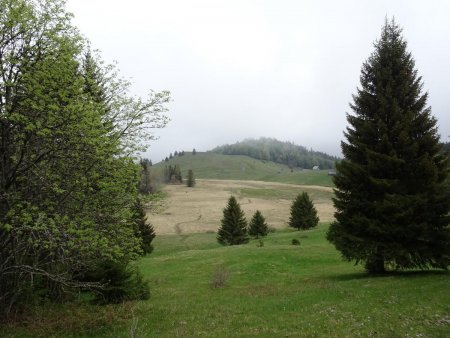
270	149
211	165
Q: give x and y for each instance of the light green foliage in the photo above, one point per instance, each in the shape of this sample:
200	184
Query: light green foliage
236	167
277	290
67	129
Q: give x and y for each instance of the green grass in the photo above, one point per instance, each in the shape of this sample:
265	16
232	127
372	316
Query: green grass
237	167
278	290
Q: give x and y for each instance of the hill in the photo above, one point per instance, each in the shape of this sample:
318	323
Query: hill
287	153
238	167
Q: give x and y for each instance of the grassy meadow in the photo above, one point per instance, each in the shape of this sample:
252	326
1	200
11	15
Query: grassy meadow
237	167
262	289
274	290
187	210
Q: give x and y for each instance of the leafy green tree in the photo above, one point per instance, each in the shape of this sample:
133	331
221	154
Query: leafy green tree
190	178
258	226
233	230
392	205
68	128
303	213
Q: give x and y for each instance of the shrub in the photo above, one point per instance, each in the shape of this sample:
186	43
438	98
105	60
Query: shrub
220	277
121	282
295	241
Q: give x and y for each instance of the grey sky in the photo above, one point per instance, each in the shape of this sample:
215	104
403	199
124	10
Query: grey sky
274	68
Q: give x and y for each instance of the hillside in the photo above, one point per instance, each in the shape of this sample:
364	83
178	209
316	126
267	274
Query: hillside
237	167
287	153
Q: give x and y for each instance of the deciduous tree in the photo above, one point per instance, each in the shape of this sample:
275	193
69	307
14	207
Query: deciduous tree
68	128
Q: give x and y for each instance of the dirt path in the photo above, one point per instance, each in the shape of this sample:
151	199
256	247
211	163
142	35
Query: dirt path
200	209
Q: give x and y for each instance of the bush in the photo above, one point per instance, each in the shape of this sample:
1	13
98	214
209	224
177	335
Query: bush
121	282
295	241
220	277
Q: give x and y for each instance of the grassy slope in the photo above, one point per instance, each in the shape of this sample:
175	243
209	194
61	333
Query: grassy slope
277	290
236	167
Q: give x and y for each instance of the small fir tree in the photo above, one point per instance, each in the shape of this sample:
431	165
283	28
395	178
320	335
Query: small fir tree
258	226
194	151
392	203
233	230
142	229
190	179
303	213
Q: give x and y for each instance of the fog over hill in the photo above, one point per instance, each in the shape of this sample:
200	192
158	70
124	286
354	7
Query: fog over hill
288	153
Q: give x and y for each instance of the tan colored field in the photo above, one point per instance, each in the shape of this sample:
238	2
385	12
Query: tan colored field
200	209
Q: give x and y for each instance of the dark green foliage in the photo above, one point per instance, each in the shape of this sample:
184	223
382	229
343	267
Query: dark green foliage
295	241
267	149
142	229
120	281
145	184
233	230
391	199
258	226
190	179
303	213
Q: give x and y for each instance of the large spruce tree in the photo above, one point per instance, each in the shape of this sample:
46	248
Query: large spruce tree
392	204
234	225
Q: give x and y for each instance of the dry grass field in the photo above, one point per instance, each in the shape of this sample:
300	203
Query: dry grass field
200	209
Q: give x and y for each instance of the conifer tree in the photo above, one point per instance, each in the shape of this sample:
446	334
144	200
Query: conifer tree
303	213
258	226
190	179
145	184
233	230
392	205
142	229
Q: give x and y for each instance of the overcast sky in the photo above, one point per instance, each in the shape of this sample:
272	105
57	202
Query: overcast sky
248	68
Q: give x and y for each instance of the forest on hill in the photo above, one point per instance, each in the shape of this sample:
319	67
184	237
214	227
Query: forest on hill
269	149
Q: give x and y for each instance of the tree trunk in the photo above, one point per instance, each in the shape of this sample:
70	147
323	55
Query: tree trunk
375	265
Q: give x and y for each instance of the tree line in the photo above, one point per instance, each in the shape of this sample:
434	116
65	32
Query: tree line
269	149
